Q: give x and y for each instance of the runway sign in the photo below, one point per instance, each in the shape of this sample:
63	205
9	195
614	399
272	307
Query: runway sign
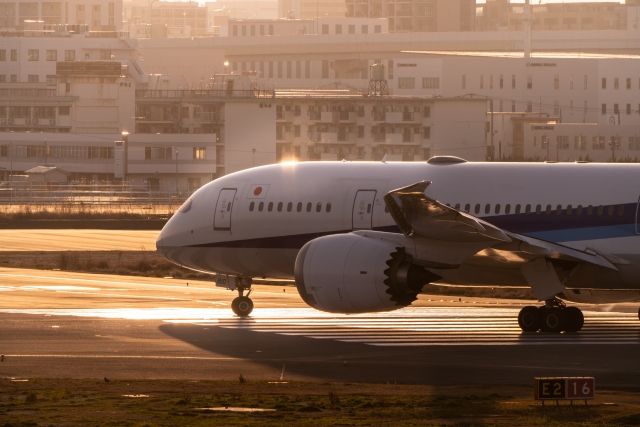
564	388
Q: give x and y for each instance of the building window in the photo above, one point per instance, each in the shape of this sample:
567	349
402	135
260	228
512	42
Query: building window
426	132
556	108
3	79
3	55
338	29
270	30
352	29
604	83
360	131
325	28
406	82
234	32
33	78
199	153
279	69
377	29
51	80
64	111
529	81
481	81
556	82
616	109
628	109
464	81
431	83
157	153
262	30
33	55
513	81
501	81
365	29
325	69
491	81
604	109
14	54
69	55
14	78
628	83
616	83
296	131
52	55
105	54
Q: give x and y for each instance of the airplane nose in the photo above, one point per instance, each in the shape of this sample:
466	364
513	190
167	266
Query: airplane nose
159	243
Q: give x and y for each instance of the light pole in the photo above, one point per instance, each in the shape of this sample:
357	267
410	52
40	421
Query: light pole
253	150
176	149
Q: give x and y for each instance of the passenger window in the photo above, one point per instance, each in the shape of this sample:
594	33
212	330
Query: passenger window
458	206
610	210
487	209
478	208
289	206
229	207
528	209
579	210
280	207
548	210
517	209
507	209
328	208
569	209
538	209
497	210
251	206
299	207
559	210
319	207
270	207
467	208
589	210
621	210
309	207
600	209
369	208
261	206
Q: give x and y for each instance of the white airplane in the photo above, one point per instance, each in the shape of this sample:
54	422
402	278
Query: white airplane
363	237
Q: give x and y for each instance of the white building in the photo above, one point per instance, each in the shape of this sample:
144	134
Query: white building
98	15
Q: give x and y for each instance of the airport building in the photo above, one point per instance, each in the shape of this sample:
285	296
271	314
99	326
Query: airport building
97	15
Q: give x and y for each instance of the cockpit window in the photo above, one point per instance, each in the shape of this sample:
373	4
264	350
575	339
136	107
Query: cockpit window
186	207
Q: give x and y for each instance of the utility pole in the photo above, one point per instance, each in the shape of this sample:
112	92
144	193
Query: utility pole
613	150
493	156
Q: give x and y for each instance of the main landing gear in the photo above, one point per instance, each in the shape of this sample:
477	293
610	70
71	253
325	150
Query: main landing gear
242	305
554	317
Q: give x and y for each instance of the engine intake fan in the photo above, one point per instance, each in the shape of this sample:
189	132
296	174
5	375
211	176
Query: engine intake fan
349	273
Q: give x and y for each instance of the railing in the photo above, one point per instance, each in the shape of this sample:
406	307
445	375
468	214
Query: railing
206	93
204	117
71	194
17	93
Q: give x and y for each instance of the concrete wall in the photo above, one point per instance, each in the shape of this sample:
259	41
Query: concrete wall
249	126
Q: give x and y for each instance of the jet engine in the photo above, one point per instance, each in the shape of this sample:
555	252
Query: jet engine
348	273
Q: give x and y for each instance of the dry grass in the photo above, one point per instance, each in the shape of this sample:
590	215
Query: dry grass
85	211
66	402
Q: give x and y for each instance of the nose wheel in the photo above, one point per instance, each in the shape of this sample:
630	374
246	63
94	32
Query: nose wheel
242	305
554	317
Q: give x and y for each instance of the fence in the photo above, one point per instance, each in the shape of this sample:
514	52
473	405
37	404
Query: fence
81	195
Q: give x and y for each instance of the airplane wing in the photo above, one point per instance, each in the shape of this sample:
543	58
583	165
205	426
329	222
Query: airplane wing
417	214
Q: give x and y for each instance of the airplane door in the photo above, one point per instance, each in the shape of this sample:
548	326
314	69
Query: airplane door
363	209
222	217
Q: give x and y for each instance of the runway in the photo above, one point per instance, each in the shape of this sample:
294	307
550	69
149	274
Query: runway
58	324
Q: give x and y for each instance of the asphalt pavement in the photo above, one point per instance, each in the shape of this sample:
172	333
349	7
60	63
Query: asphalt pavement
57	324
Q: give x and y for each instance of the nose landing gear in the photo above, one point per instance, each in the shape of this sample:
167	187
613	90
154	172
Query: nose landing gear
242	305
553	317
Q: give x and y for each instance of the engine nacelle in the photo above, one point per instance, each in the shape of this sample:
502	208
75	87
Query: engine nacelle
347	273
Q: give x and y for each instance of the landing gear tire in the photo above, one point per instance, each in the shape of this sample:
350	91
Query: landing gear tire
529	319
242	306
554	320
575	319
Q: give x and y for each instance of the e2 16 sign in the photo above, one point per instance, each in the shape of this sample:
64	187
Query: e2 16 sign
565	388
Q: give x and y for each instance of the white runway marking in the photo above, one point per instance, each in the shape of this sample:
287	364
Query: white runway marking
440	326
